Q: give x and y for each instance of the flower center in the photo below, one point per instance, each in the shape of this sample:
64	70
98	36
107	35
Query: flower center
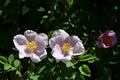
107	40
32	46
66	47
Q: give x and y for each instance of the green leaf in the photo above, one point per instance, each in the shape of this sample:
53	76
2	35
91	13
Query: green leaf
70	3
58	78
73	76
91	61
7	2
15	49
85	70
3	60
45	16
40	9
7	66
17	63
69	64
11	58
81	77
13	68
86	57
1	12
52	69
41	69
66	23
50	60
50	33
32	66
34	77
18	72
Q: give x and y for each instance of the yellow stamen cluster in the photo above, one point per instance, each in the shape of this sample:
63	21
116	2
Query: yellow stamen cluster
31	46
66	47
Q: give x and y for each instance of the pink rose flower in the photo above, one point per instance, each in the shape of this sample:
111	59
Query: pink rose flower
64	46
31	45
107	39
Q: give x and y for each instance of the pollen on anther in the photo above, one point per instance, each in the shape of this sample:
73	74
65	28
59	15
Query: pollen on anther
66	47
31	45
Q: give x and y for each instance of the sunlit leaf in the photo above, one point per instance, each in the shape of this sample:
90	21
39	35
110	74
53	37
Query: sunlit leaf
3	59
70	2
58	78
18	72
50	60
40	9
17	63
11	58
91	61
33	76
85	70
66	23
13	68
73	76
86	57
7	66
45	16
69	64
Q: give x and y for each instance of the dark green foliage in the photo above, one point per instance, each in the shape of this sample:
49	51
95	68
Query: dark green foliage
84	18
